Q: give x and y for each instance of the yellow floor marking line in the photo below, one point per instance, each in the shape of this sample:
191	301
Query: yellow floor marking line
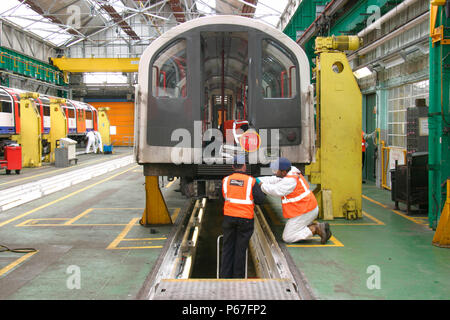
57	170
395	211
171	183
64	197
85	212
121	237
175	214
33	222
333	239
376	222
17	262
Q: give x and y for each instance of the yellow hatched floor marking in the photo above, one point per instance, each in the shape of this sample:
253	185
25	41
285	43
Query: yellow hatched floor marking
333	239
64	197
16	262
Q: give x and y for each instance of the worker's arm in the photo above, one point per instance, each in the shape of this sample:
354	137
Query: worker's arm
280	189
269	179
258	195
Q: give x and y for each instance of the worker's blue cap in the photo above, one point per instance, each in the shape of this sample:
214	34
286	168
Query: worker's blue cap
239	159
281	164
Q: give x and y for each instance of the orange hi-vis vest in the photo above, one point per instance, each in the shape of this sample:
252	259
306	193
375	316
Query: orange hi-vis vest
299	201
237	192
363	143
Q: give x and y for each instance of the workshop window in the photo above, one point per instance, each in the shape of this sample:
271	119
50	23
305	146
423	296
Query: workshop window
279	71
401	98
169	71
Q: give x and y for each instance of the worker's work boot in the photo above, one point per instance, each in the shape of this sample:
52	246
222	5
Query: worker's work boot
324	232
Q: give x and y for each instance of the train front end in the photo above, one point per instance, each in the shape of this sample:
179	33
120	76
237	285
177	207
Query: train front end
215	87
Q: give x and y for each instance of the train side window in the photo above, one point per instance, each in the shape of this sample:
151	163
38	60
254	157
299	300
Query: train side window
169	71
71	113
5	106
88	115
279	76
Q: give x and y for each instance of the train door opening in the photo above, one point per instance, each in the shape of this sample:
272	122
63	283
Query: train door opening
225	68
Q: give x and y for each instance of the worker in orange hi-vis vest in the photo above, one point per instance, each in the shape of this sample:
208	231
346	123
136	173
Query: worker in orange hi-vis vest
240	192
298	203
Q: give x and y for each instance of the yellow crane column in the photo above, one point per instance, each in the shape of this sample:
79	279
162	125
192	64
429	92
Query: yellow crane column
337	171
30	137
58	125
104	126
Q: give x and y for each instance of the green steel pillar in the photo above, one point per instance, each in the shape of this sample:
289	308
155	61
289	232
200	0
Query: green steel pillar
439	114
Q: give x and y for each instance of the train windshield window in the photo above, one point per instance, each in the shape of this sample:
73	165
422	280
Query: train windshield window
46	111
5	103
279	76
169	71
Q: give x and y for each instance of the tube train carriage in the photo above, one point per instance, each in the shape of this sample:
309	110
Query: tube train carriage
262	75
81	117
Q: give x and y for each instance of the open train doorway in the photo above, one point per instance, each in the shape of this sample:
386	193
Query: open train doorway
225	67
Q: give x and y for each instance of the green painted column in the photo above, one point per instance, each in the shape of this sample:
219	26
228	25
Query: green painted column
439	122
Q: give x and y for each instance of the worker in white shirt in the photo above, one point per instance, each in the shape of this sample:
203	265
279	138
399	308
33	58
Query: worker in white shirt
90	137
98	142
298	203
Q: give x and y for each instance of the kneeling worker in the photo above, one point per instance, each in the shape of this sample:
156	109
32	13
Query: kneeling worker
298	203
240	192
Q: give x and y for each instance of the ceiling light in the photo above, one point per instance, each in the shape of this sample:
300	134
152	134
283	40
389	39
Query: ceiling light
362	73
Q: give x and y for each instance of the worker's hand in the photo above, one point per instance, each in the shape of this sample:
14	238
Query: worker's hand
258	181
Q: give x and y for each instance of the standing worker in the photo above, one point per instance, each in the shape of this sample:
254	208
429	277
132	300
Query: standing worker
98	142
90	137
240	192
298	203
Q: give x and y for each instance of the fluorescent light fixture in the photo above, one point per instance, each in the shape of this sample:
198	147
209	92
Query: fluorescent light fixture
390	63
200	215
187	268
362	73
195	237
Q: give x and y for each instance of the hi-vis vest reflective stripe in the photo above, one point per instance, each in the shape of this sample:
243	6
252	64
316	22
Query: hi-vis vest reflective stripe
299	201
237	192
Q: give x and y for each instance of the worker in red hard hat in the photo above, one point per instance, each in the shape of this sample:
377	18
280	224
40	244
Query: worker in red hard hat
298	202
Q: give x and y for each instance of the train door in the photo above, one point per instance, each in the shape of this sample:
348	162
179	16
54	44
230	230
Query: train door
45	103
224	74
173	103
71	118
89	120
275	102
7	123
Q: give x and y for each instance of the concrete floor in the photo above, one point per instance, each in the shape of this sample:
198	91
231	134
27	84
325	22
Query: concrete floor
91	246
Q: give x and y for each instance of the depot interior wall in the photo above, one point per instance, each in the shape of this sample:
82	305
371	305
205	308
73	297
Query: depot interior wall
121	116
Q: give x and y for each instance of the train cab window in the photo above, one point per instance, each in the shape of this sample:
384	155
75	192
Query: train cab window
47	110
5	103
279	76
169	71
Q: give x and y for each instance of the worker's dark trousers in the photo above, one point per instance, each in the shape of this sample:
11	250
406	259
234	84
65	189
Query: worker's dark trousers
236	235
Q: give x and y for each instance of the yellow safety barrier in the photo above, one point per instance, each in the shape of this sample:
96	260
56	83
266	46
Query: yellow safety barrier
442	236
